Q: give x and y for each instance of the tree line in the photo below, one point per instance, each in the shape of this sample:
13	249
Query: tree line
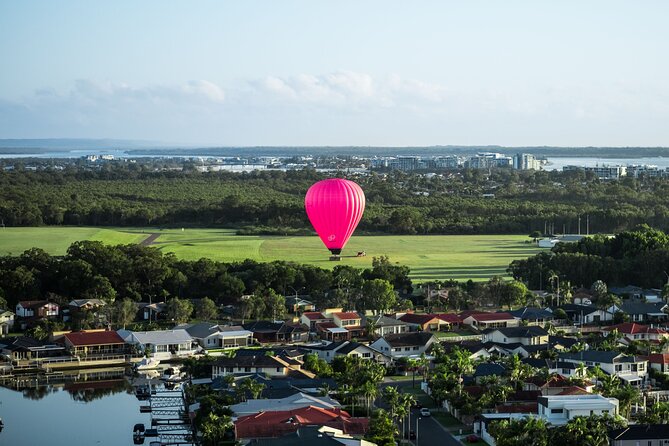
638	257
133	273
133	194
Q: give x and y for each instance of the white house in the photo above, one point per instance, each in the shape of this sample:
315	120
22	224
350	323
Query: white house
559	409
269	365
530	335
6	321
554	409
588	314
36	308
162	344
630	369
384	325
328	351
483	321
213	336
411	344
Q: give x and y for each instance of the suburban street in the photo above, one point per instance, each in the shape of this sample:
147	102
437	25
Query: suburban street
430	432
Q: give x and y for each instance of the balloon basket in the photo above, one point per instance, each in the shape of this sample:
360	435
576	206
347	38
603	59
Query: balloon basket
335	258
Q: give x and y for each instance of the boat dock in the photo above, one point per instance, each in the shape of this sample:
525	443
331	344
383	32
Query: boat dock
170	423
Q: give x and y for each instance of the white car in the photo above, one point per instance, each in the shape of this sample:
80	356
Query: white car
425	412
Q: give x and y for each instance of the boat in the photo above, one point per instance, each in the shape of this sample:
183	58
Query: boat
2	425
147	364
138	433
172	375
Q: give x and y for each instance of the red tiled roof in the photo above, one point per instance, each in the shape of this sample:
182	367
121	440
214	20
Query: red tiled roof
451	318
347	315
632	328
487	317
325	325
313	315
80	338
421	319
658	358
279	423
574	390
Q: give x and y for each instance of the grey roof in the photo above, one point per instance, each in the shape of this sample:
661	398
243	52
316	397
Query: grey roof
305	436
578	309
262	361
608	357
531	313
489	369
631	307
418	338
203	330
348	348
161	337
641	432
294	401
385	321
519	332
562	340
325	347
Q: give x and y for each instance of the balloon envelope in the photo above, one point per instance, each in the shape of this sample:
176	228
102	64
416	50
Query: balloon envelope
335	207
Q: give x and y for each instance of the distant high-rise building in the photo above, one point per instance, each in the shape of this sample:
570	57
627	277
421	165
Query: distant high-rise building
526	161
602	172
486	160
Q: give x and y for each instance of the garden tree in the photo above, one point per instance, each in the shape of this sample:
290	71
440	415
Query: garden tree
626	395
518	371
397	275
213	429
560	314
520	432
317	365
496	289
378	296
3	301
275	304
590	431
252	307
404	305
382	430
607	300
100	288
620	317
514	294
179	310
599	289
658	413
206	310
19	284
458	299
253	387
228	288
534	235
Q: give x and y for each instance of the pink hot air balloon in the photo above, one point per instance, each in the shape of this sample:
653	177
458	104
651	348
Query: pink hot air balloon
335	207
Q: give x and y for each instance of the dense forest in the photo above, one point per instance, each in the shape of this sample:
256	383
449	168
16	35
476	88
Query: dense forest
639	257
129	194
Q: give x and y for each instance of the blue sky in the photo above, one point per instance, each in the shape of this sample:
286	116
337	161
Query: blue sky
338	72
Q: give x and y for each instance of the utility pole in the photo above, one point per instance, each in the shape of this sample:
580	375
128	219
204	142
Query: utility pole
587	225
579	225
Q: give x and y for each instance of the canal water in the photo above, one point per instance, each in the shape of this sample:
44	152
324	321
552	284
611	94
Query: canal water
85	413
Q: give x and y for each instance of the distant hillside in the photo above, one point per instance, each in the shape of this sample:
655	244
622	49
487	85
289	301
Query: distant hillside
44	145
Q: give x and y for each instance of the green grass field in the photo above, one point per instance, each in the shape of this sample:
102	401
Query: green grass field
460	257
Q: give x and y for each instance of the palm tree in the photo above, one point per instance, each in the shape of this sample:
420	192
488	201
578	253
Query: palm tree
407	400
370	391
214	427
609	384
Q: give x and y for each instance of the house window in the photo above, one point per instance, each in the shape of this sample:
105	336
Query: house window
278	369
556	410
406	349
247	369
366	355
619	368
415	348
641	367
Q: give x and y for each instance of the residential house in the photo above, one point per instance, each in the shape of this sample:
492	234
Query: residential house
295	401
554	385
635	292
280	423
639	311
351	321
482	321
296	304
18	348
330	350
640	435
559	409
630	369
272	366
425	322
659	362
636	332
277	332
533	316
36	309
476	349
6	322
311	318
162	344
587	314
151	311
95	342
313	436
529	335
384	325
86	304
554	409
212	336
401	345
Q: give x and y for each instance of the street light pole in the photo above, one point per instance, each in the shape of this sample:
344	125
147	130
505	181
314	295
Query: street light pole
417	420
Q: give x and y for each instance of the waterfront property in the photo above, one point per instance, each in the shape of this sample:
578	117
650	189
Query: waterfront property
6	321
214	336
162	344
91	343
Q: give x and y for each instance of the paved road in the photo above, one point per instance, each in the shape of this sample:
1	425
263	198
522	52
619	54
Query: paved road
430	432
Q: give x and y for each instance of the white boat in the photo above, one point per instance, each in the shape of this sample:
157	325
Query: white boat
147	364
172	375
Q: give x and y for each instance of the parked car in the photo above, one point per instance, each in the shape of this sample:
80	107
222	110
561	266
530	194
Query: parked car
425	412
